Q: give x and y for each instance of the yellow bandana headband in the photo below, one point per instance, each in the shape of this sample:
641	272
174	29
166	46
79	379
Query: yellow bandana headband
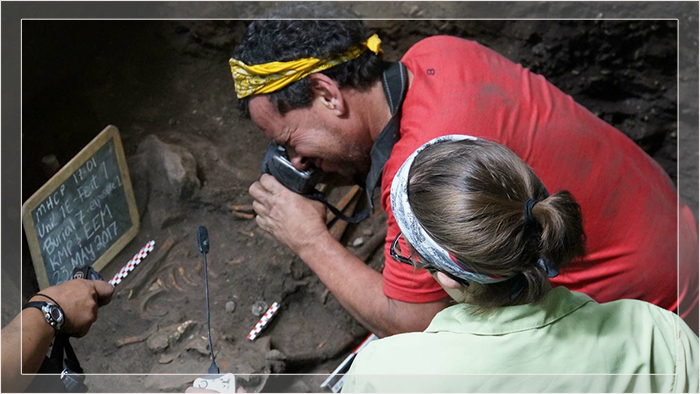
269	77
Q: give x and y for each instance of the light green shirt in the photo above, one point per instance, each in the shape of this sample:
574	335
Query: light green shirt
568	343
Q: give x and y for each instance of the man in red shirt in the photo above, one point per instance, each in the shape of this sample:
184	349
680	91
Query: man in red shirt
317	88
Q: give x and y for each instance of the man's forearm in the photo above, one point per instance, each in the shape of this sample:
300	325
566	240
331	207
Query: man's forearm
359	289
24	353
300	223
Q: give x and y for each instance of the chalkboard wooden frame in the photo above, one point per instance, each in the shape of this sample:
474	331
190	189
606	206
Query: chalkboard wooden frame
109	133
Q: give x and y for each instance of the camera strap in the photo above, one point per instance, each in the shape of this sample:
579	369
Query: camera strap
63	359
395	84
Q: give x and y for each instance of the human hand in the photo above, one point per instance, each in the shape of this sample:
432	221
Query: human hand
293	219
79	299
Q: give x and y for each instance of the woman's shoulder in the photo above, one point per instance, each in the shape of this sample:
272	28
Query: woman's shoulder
641	312
643	324
401	363
386	354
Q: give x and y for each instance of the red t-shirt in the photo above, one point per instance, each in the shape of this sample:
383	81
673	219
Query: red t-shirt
629	203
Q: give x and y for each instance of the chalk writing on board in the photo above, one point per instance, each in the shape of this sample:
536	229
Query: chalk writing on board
82	217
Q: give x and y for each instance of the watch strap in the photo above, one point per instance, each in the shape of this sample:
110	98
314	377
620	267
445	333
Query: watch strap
35	304
40	306
51	299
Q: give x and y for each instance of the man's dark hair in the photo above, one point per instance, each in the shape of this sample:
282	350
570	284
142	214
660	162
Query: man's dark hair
285	40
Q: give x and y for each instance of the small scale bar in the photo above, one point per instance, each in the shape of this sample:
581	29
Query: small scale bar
264	321
132	263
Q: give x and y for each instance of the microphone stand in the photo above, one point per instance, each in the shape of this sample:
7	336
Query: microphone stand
203	241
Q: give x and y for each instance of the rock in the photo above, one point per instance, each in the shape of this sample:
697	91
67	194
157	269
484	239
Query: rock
168	358
138	172
164	175
275	354
299	387
50	165
539	49
228	338
278	366
358	242
157	342
276	361
289	286
259	307
230	306
264	344
173	166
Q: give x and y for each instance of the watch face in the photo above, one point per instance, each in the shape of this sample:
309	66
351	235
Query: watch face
55	313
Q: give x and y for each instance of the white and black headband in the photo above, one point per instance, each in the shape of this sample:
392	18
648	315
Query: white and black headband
415	234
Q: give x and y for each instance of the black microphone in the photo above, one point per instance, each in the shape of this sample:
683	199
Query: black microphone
203	243
203	240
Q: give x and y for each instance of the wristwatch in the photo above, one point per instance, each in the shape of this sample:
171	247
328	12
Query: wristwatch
52	313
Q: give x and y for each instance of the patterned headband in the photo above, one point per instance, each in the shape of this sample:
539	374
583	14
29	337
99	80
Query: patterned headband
415	234
270	77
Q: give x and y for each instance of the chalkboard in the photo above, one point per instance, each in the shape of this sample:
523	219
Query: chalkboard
85	214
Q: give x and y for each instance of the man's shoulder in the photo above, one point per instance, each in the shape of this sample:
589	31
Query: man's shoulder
435	45
408	143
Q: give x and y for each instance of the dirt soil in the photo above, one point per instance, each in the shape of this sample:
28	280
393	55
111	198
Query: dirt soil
170	79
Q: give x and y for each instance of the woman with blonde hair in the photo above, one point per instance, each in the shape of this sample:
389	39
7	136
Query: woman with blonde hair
478	218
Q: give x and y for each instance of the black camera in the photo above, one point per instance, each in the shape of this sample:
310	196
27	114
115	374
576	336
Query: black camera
86	272
277	164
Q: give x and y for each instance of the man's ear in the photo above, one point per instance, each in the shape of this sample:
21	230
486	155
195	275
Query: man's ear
328	93
447	281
